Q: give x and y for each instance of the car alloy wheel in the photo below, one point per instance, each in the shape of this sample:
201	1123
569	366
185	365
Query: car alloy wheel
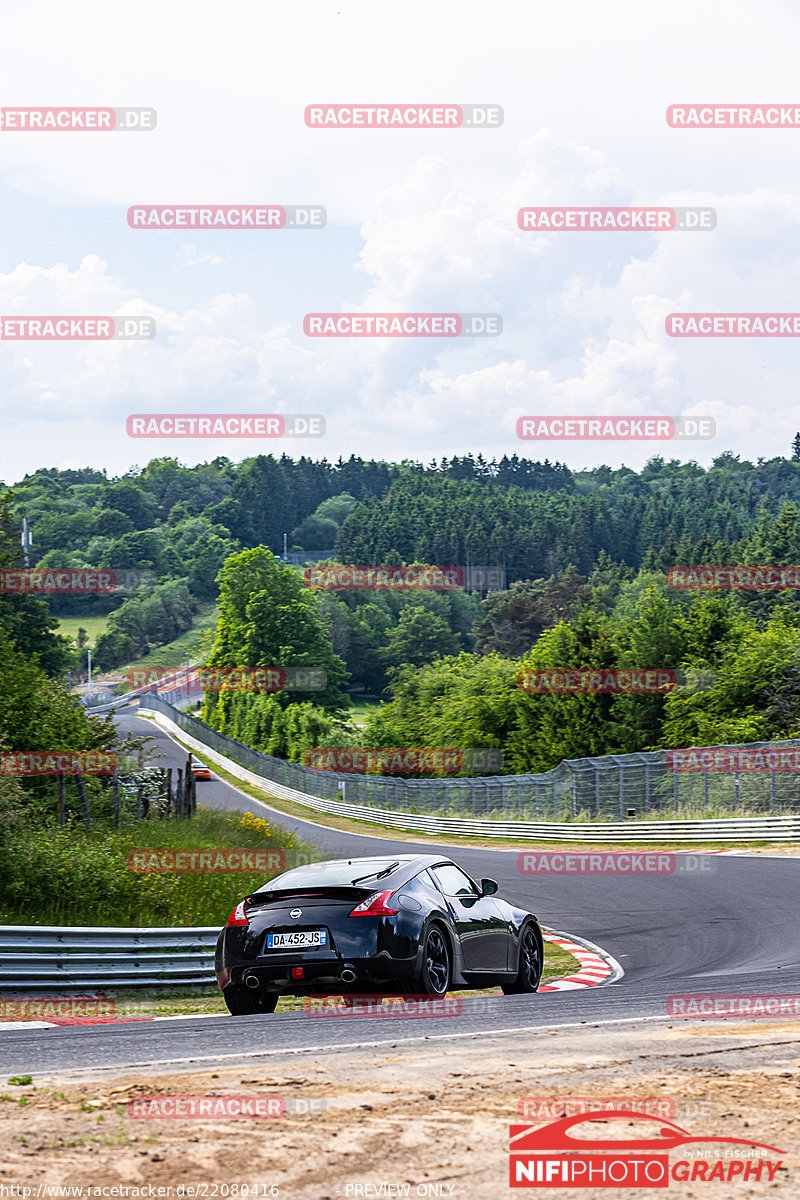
530	964
436	963
531	960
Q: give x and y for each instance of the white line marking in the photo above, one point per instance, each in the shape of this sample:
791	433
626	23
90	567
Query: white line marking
321	1049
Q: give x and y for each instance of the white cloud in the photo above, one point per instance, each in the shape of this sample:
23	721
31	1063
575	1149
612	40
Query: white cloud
193	257
584	99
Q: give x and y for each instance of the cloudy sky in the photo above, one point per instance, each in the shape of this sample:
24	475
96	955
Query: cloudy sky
418	221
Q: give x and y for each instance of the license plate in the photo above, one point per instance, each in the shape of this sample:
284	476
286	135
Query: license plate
300	939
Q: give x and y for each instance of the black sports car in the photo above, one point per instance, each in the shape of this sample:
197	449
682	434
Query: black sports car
398	924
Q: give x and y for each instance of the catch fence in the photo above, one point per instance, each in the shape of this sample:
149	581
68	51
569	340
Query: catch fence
618	786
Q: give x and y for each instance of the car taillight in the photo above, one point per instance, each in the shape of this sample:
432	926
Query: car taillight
376	905
238	917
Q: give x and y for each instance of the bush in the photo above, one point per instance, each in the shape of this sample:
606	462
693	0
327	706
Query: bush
73	876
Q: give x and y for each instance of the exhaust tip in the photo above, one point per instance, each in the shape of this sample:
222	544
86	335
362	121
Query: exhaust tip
348	975
251	981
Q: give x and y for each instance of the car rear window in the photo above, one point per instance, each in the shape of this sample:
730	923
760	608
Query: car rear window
335	874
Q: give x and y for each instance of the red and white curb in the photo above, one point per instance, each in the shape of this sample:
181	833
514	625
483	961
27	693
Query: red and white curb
597	966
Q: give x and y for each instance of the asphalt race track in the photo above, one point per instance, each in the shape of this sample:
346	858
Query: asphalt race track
729	926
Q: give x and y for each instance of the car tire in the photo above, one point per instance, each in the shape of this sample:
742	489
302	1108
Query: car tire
242	1001
436	974
531	962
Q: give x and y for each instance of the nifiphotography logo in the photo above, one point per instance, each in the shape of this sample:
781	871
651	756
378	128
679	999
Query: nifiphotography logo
552	1155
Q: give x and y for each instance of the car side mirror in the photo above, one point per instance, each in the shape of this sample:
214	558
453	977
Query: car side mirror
489	887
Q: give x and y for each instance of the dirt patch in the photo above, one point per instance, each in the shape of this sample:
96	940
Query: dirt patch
435	1120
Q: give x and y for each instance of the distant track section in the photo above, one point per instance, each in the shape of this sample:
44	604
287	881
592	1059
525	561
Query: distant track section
724	829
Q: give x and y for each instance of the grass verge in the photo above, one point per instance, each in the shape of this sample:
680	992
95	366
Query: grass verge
77	876
360	706
189	646
94	626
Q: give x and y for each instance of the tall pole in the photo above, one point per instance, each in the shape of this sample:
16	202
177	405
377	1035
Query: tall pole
26	541
90	671
284	548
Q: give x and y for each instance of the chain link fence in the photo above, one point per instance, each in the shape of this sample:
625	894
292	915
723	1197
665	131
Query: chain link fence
615	786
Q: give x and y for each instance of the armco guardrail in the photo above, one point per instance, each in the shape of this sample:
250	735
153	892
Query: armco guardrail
766	828
48	956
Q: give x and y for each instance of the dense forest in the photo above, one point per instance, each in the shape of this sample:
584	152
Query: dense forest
536	518
584	556
37	711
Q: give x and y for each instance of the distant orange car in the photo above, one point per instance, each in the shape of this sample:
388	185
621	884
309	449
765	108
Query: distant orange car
199	770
